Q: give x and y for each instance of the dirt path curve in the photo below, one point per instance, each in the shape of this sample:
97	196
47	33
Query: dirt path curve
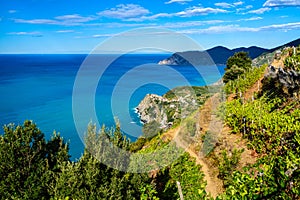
205	120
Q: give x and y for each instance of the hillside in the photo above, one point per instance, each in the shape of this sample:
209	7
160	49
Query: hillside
249	145
241	142
218	55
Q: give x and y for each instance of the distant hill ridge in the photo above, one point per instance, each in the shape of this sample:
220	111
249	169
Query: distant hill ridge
217	55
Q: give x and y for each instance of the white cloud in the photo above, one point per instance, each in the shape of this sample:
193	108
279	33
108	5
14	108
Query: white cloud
278	3
239	3
223	5
190	24
75	18
12	11
220	29
178	1
195	11
233	28
65	20
260	11
103	35
125	11
65	31
251	19
244	8
34	33
36	21
143	15
288	26
228	5
150	17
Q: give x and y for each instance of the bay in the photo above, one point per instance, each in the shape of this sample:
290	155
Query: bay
40	88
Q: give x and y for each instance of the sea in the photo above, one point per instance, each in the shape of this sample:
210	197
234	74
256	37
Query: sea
58	91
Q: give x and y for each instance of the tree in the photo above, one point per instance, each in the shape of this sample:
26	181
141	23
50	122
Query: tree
236	65
26	157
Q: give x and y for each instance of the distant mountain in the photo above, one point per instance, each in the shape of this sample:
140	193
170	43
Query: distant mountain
290	44
221	54
217	55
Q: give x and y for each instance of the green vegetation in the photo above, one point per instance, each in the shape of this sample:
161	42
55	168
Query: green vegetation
27	159
245	81
34	168
151	129
271	126
236	65
228	164
188	174
292	62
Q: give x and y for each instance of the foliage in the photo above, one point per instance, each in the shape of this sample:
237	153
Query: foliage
228	163
262	121
245	81
271	125
138	144
293	62
236	65
275	176
272	128
185	171
25	158
151	129
92	177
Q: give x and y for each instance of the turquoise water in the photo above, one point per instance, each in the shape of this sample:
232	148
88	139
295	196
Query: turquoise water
40	88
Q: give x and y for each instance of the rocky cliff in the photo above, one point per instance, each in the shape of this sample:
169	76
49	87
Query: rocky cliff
173	106
282	81
195	58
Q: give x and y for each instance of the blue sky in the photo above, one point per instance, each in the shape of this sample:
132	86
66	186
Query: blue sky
77	26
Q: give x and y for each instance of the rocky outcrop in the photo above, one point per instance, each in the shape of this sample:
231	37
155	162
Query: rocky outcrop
195	58
156	108
153	108
279	79
175	59
172	107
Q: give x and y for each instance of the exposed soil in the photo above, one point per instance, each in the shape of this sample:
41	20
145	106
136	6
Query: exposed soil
208	121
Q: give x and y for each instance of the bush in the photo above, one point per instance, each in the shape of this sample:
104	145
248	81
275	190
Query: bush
26	159
236	65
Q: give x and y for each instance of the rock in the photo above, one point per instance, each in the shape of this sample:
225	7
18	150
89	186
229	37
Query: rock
286	80
155	108
173	106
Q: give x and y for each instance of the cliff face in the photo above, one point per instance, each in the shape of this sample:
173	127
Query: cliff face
175	59
155	108
282	80
195	58
172	107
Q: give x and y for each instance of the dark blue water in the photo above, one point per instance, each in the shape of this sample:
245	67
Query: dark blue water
40	88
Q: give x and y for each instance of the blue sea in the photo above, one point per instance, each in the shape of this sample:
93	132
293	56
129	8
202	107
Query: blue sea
58	92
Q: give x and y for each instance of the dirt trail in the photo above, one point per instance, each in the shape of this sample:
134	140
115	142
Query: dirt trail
205	121
279	62
208	121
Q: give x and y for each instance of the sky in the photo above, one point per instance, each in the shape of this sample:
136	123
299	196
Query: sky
78	26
